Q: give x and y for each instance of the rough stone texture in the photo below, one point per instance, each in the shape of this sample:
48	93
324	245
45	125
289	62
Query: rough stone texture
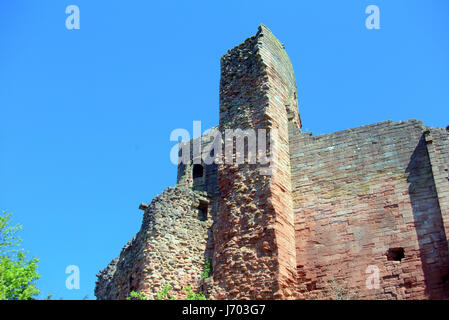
334	205
169	249
358	193
254	238
207	182
438	146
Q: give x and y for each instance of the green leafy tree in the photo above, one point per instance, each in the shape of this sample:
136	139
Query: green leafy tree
17	274
8	235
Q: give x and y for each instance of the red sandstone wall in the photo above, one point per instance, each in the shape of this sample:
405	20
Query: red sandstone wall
282	108
254	231
437	140
334	205
358	193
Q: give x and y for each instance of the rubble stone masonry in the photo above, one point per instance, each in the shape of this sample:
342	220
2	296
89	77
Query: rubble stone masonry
326	216
168	250
254	240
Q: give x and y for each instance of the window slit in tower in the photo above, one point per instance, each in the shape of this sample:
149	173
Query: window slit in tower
197	171
202	210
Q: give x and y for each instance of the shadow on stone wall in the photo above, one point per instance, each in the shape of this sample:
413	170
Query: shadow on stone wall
433	248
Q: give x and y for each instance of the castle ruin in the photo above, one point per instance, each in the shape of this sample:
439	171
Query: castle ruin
339	208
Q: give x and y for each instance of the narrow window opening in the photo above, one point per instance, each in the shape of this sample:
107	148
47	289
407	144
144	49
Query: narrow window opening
198	177
197	171
395	254
202	211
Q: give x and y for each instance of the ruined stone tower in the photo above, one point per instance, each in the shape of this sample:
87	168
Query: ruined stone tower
360	213
255	241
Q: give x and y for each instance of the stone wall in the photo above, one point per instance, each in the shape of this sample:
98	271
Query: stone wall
254	234
169	249
437	140
361	197
315	223
208	181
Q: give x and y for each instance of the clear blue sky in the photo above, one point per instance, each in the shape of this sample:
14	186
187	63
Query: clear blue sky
86	114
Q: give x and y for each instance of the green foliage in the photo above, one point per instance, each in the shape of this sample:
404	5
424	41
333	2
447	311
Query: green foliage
194	296
17	274
8	235
164	294
133	295
17	278
207	269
